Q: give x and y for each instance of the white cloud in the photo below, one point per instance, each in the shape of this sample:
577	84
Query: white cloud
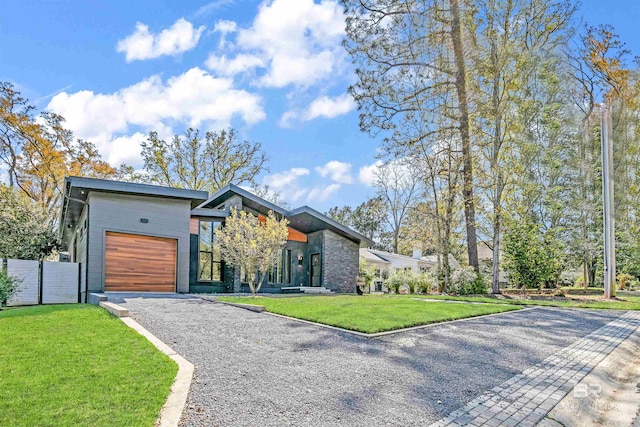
286	183
330	107
322	193
194	98
323	106
209	8
229	67
339	172
225	27
143	44
126	149
298	42
367	174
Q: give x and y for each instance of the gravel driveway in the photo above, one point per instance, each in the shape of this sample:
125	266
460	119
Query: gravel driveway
254	369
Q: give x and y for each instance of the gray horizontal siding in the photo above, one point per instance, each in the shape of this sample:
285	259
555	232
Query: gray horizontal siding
122	213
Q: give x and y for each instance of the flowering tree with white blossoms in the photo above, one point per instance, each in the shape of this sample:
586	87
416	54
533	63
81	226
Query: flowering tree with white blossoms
252	244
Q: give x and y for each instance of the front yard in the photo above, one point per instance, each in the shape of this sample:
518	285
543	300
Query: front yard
77	365
370	313
623	301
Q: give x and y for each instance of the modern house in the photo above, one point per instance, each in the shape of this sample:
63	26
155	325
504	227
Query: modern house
148	238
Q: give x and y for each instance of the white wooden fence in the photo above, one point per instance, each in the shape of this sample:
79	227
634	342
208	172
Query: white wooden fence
44	282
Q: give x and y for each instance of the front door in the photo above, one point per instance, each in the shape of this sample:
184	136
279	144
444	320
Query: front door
315	269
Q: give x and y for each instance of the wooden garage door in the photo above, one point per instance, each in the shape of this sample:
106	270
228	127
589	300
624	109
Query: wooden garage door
138	263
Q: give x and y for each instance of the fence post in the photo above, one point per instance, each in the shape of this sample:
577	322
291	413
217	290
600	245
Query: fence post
40	283
79	282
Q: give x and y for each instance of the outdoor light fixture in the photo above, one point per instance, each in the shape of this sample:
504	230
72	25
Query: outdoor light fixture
144	220
299	259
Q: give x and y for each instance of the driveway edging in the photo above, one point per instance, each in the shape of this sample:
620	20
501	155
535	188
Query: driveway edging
171	411
396	331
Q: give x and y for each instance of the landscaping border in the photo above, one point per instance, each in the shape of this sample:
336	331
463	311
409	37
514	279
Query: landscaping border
171	411
262	309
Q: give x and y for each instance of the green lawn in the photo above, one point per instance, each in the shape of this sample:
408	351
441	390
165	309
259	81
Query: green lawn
627	302
76	365
369	313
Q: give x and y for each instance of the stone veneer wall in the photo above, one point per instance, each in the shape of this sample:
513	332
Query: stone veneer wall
340	263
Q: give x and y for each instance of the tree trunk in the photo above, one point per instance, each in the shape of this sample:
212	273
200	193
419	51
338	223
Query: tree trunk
465	139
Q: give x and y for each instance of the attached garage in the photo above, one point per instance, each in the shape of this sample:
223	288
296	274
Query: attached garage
137	263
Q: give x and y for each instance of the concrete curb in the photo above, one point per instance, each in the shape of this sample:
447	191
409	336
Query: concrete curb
172	410
250	307
397	331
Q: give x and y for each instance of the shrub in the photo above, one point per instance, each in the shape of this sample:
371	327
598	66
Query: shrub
426	282
8	287
466	281
623	279
395	281
412	282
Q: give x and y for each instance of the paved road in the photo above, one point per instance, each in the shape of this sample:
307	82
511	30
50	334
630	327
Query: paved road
255	369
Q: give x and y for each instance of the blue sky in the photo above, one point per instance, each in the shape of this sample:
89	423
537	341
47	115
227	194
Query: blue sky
274	70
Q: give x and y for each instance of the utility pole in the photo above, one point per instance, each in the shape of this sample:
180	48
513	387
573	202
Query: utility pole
606	139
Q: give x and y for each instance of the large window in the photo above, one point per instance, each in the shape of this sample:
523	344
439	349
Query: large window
275	272
287	267
210	265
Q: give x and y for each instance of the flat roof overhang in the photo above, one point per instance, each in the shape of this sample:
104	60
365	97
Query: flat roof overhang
77	189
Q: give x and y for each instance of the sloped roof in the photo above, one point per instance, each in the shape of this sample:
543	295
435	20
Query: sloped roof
370	256
304	218
77	189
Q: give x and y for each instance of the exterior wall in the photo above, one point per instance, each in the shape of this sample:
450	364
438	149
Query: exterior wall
122	213
339	263
299	273
81	255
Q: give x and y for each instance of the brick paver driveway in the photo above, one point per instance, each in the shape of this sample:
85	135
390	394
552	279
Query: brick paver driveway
259	370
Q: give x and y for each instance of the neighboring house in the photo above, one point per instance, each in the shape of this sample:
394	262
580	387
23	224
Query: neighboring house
147	238
485	257
385	263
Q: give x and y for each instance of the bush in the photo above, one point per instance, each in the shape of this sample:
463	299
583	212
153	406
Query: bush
8	287
466	281
623	279
395	281
426	282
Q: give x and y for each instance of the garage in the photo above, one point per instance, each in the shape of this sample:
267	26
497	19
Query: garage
137	263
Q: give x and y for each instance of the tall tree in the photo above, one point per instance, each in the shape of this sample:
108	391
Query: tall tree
39	152
405	52
397	185
209	163
512	38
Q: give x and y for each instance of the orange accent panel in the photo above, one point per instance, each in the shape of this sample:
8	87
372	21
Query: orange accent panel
194	226
297	236
139	263
294	235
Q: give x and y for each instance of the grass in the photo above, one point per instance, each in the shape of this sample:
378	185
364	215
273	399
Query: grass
70	365
624	302
369	313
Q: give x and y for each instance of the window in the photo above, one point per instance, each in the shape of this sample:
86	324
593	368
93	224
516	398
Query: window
210	263
287	267
275	272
